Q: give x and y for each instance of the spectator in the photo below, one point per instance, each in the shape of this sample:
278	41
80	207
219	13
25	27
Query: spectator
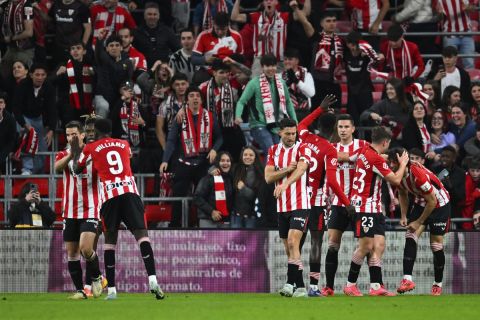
110	16
415	133
34	107
456	19
472	146
248	181
154	39
368	17
401	58
206	11
451	96
41	18
359	59
72	25
214	195
181	14
138	59
17	32
7	132
194	153
272	103
439	135
181	60
472	191
475	109
30	211
156	84
432	88
300	83
451	75
10	84
462	127
113	68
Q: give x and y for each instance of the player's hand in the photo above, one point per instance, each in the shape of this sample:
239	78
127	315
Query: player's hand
350	211
163	167
216	215
403	221
75	145
211	156
180	115
403	159
413	226
277	193
102	33
292	166
240	185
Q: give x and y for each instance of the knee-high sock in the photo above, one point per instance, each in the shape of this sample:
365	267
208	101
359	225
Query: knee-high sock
75	270
375	269
299	279
148	259
355	267
409	253
109	256
292	272
93	267
331	263
438	261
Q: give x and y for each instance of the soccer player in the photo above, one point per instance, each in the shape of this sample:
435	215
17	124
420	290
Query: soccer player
322	177
287	166
120	198
81	214
431	208
369	221
339	220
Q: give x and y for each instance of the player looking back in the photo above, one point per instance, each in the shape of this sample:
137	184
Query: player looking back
120	198
431	208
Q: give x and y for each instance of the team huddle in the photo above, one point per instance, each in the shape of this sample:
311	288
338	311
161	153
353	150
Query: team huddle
317	181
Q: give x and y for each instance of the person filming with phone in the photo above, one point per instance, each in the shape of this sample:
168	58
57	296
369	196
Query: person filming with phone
30	211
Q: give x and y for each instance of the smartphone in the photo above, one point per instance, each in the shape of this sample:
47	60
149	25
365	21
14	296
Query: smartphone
443	174
33	187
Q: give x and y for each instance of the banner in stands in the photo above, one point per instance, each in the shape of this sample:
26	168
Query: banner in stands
223	261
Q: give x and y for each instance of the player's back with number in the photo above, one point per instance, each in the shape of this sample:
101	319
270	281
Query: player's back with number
111	158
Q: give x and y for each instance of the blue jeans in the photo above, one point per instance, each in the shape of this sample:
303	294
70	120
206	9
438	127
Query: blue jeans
241	222
264	138
35	164
464	45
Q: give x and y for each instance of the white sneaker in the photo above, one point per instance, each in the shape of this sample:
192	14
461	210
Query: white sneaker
97	287
300	293
111	296
155	289
287	290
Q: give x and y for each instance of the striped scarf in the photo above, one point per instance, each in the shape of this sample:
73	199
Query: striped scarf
299	100
128	112
28	144
207	14
407	69
197	139
224	105
220	195
325	52
267	101
17	10
86	85
266	30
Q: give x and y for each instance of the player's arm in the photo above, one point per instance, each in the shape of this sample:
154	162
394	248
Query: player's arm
431	203
332	182
62	163
396	178
301	168
308	120
272	175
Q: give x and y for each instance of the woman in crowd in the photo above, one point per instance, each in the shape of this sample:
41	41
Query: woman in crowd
19	72
439	135
451	96
415	133
248	180
214	195
432	88
155	84
475	109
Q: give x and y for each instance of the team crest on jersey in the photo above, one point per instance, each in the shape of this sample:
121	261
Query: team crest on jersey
333	162
365	229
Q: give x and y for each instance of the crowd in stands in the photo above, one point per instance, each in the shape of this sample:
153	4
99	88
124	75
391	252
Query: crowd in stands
198	87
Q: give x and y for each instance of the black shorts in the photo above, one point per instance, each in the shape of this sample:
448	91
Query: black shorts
127	208
72	228
438	222
297	219
369	224
339	219
317	219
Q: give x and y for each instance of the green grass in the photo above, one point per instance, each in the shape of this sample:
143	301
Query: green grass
238	306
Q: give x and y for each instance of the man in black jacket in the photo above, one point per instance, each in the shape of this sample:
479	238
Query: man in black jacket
34	107
8	132
154	39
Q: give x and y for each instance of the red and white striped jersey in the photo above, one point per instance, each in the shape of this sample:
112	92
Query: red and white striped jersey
420	181
269	34
112	21
296	197
80	198
426	140
208	44
365	16
455	19
346	169
111	158
367	181
138	59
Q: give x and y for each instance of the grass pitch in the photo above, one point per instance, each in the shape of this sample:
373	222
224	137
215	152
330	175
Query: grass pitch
238	306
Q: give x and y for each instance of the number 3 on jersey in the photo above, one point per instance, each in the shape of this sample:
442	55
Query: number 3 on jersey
358	182
115	162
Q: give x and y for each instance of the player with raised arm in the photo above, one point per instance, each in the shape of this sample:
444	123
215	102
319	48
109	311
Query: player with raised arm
80	205
322	178
120	199
431	208
339	220
369	221
287	166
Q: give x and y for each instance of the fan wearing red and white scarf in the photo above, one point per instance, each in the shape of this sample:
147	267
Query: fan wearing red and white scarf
221	6
323	55
299	100
197	138
220	100
86	87
268	107
28	144
220	196
128	113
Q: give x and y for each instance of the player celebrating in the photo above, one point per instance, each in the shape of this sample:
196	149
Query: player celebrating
287	166
369	222
322	177
339	220
431	208
80	214
121	201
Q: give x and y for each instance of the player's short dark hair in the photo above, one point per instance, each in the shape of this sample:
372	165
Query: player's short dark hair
417	152
75	124
287	123
292	53
103	126
327	123
347	117
395	32
38	65
380	134
449	51
152	5
179	76
113	38
218	64
268	60
451	149
3	96
392	153
193	89
222	19
353	37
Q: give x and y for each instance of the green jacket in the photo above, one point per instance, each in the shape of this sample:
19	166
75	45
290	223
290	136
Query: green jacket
257	114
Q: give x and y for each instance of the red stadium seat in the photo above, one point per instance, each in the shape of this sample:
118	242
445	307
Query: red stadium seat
378	87
474	74
59	184
377	96
344	26
156	213
2	212
386	25
18	183
149	185
2	188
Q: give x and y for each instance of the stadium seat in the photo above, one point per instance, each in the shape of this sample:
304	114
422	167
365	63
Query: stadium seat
474	74
377	96
386	25
149	187
59	185
2	188
378	87
18	183
344	26
2	212
156	213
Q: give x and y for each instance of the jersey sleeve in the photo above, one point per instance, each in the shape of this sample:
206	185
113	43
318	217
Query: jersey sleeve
331	173
270	161
199	44
304	154
85	156
421	180
60	155
380	166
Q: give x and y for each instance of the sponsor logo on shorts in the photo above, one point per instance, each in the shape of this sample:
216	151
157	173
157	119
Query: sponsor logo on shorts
441	225
302	220
119	184
356	203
